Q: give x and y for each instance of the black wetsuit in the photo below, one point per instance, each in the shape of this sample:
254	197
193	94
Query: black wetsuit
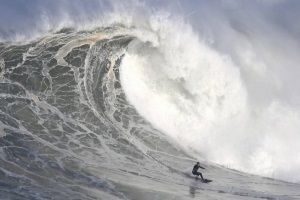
196	167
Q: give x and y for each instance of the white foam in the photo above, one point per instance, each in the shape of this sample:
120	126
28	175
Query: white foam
198	96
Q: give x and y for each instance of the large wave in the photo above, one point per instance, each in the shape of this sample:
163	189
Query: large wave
220	79
233	105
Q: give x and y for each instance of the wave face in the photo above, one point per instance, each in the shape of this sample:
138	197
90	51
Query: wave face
63	110
143	93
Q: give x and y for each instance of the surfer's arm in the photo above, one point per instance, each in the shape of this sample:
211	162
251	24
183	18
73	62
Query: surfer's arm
202	167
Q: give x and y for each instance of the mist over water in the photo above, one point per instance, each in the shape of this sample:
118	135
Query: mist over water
225	87
218	77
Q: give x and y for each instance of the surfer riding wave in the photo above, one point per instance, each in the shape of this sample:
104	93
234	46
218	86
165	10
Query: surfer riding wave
195	171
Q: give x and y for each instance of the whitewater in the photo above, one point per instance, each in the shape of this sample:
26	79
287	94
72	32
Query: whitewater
118	100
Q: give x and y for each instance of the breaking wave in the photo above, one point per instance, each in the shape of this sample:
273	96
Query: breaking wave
82	97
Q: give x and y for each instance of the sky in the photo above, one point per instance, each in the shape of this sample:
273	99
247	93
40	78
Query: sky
22	17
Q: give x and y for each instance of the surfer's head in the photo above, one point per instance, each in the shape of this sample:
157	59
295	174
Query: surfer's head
198	163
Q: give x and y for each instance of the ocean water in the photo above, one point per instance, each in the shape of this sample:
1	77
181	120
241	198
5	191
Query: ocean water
118	100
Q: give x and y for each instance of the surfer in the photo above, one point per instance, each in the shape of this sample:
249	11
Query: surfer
196	167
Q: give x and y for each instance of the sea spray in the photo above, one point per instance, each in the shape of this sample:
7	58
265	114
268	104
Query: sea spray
223	105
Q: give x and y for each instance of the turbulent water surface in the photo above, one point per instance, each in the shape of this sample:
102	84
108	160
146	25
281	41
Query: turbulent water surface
121	108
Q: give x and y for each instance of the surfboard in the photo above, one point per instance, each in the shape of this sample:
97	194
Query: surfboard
204	181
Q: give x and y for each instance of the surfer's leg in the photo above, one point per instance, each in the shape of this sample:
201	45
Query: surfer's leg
196	173
201	175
